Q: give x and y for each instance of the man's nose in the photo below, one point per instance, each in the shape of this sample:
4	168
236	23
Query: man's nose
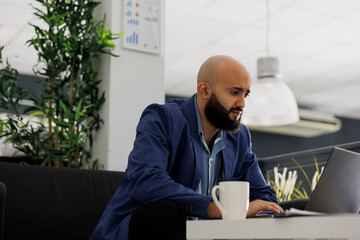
240	102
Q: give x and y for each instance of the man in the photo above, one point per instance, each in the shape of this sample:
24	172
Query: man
182	149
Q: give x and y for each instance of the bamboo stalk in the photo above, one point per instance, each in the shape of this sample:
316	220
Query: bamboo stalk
77	158
72	87
49	117
77	151
71	93
70	160
71	107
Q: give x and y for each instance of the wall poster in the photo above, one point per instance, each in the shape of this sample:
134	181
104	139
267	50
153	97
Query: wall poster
141	19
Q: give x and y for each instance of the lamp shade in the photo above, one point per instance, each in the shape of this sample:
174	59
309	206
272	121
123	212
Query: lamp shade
271	102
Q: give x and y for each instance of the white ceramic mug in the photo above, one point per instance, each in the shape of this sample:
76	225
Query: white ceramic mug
234	199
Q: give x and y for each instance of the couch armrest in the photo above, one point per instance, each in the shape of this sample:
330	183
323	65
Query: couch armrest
2	208
297	203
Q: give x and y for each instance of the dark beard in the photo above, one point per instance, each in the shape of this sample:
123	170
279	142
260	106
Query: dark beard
218	116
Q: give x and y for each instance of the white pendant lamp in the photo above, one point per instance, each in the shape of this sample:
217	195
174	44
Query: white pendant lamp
271	102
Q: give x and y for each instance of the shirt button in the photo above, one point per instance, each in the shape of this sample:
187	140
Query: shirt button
211	159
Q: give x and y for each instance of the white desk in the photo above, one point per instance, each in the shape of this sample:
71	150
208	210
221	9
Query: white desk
309	227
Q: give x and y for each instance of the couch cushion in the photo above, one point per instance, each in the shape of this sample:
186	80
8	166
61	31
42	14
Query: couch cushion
54	203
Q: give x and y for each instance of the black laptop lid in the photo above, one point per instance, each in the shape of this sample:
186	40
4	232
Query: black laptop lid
338	190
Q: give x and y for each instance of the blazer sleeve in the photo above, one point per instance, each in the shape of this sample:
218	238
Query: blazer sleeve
251	172
148	165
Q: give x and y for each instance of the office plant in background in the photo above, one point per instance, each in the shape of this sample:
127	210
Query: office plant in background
286	184
66	115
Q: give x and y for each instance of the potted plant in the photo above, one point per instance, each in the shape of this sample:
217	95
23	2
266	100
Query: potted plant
66	115
286	184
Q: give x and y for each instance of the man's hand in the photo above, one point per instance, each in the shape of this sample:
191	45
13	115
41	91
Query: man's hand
257	206
213	211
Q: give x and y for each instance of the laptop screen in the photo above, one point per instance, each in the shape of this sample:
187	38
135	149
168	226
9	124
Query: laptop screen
338	189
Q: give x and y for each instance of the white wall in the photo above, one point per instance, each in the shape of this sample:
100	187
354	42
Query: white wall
131	82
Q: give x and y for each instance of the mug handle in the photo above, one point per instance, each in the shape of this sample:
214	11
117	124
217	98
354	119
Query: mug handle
216	201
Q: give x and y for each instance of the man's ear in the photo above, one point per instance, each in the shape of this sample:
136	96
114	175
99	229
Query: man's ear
204	90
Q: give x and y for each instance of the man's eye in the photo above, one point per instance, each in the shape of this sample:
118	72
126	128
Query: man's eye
235	93
247	94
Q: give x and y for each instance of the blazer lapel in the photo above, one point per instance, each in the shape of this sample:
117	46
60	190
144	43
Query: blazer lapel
190	115
198	158
228	159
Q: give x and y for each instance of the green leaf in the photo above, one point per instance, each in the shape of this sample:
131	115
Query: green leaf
60	123
66	110
12	126
110	43
67	46
31	108
45	162
109	53
317	168
87	107
118	34
25	125
78	111
303	171
305	193
37	113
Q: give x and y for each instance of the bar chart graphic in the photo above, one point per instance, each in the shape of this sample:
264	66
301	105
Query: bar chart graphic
133	21
141	21
134	38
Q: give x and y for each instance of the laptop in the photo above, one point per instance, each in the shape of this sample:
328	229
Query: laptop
338	189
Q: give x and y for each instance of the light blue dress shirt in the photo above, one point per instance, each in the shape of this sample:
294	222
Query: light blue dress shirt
211	174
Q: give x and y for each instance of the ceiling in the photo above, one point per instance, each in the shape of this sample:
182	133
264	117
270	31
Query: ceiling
316	41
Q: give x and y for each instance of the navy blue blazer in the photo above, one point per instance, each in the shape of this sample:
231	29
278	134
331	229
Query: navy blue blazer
165	163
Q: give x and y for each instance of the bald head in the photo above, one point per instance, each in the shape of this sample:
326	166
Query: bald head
223	84
218	67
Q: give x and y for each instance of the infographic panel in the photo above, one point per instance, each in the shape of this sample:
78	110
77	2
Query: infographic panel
142	25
